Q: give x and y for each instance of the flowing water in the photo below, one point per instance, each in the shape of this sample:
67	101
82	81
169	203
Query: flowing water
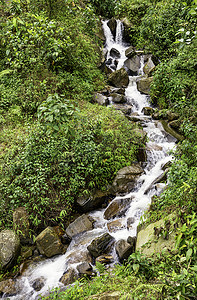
158	147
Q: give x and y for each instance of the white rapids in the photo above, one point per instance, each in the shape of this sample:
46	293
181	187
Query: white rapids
158	147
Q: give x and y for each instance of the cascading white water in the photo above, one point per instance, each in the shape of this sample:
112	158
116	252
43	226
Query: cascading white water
157	155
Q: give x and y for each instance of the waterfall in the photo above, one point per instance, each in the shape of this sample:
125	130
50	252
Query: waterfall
157	155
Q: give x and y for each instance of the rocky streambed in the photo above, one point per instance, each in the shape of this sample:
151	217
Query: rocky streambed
106	231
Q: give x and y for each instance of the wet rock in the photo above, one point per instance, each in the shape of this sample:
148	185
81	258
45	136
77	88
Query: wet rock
101	245
154	147
9	248
166	165
101	99
69	276
38	284
119	78
21	224
117	208
85	269
172	135
123	249
118	98
92	201
126	33
114	53
143	85
81	224
160	178
27	252
132	240
49	243
105	259
148	111
133	65
118	90
105	69
126	109
130	221
112	23
125	178
65	239
130	52
113	226
8	288
149	66
175	124
78	256
171	116
109	61
141	155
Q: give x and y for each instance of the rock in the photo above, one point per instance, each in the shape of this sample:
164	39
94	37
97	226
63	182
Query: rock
8	288
141	135
101	99
112	23
130	52
124	108
118	90
92	201
81	224
149	67
116	295
172	134
143	85
114	53
133	65
105	259
69	276
175	124
109	61
21	224
105	69
113	226
141	155
171	116
27	252
126	33
160	178
9	248
119	78
166	165
79	256
148	111
85	269
154	147
117	208
130	221
148	242
49	243
117	98
123	249
38	283
101	245
65	239
132	240
125	178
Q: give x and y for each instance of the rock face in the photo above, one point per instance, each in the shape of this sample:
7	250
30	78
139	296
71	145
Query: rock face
155	235
143	85
49	243
118	98
133	65
112	23
101	99
101	245
9	248
90	202
119	78
124	249
117	208
21	224
69	277
125	178
81	224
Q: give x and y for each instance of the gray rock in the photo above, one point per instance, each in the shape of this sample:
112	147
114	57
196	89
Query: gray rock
143	85
9	248
130	221
133	65
38	283
8	288
171	116
49	243
85	269
118	90
101	99
112	23
115	225
69	276
123	249
117	208
118	98
81	224
101	245
130	52
175	124
148	111
90	202
126	109
125	178
119	78
149	67
114	53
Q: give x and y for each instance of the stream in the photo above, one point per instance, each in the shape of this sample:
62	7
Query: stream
158	146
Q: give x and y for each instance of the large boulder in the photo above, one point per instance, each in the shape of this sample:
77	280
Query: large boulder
38	283
8	288
125	178
21	224
9	248
133	65
49	243
119	78
115	53
92	201
124	108
149	67
117	208
118	98
143	85
124	249
115	225
126	33
69	276
85	269
81	224
101	99
130	52
101	245
112	23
